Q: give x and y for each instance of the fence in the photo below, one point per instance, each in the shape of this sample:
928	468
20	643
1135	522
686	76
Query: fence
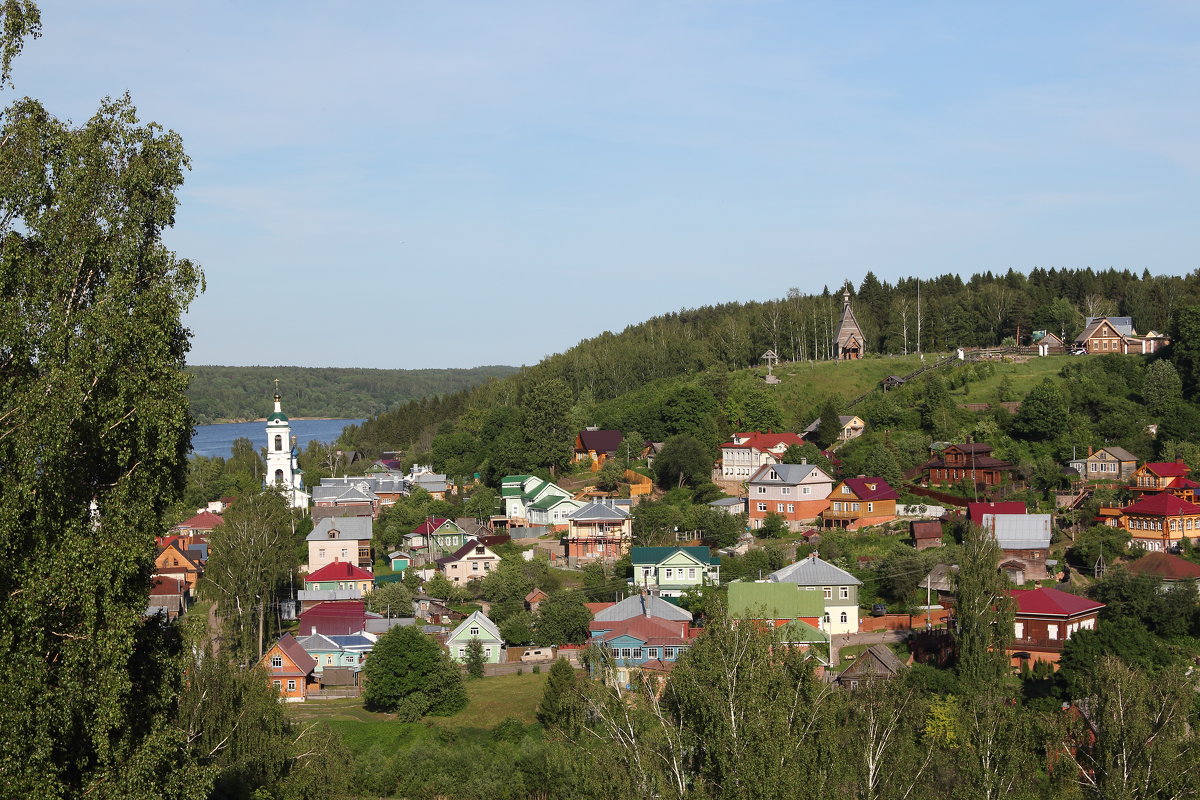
930	512
334	692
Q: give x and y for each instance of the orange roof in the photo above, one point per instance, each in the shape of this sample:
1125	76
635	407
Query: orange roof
596	608
1165	566
204	521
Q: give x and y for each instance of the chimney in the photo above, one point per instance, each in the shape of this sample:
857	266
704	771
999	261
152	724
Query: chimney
804	460
1090	450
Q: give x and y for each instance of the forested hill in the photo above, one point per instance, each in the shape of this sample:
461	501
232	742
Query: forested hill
985	309
244	393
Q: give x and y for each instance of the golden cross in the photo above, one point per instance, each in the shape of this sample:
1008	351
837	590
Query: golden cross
277	386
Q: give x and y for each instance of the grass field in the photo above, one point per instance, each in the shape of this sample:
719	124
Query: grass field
491	700
1022	378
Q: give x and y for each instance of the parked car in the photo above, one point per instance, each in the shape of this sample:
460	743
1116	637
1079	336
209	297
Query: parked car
878	610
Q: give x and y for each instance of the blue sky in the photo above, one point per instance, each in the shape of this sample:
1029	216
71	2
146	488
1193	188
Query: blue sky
401	184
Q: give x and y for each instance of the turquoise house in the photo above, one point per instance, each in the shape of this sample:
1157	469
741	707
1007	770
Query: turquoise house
399	561
673	570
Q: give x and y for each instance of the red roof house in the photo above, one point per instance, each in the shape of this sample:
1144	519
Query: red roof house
1165	567
290	668
203	522
1044	619
1160	521
975	511
335	618
747	452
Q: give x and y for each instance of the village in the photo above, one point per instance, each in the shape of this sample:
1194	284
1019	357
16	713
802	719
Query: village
470	583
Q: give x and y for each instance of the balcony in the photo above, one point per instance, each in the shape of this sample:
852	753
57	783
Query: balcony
831	514
1039	643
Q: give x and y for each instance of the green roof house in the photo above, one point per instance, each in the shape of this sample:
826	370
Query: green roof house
673	570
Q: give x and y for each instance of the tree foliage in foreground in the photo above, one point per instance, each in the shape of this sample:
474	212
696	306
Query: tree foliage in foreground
410	674
94	434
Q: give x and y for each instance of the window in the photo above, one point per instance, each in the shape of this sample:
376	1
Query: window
779	507
475	631
774	475
762	490
669	653
462	651
278	442
691	572
637	653
870	507
626	652
845	593
762	507
806	490
651	652
328	659
1019	630
276	662
855	506
791	508
291	686
321	552
487	652
845	490
828	592
668	572
475	566
844	619
277	684
1052	631
786	490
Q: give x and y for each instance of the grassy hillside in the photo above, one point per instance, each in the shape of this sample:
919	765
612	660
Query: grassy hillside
221	394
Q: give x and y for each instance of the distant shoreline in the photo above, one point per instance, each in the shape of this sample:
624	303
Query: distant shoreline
264	419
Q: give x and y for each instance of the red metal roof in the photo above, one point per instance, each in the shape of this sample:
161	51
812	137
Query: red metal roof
296	654
1168	469
766	441
204	521
1166	566
1162	505
1052	602
334	618
1183	483
168	586
339	571
862	488
430	525
644	628
975	511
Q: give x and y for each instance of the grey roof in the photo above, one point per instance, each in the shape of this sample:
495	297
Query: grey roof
1123	325
343	494
788	473
729	501
321	595
812	571
1019	531
878	660
599	511
1120	453
345	528
940	578
639	605
844	419
317	642
386	624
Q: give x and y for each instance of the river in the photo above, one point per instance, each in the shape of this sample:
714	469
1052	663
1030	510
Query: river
217	440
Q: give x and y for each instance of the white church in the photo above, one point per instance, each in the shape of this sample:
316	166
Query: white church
283	470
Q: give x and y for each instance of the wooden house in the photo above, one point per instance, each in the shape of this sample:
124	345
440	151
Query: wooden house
672	571
778	605
1106	464
877	663
850	427
340	539
479	627
1024	541
860	502
972	461
173	561
290	669
597	445
1166	568
1159	476
1103	335
1160	521
1043	619
926	533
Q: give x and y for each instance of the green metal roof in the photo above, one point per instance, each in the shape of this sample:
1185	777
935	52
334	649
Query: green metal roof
800	631
510	491
535	487
656	555
549	502
777	600
514	479
277	416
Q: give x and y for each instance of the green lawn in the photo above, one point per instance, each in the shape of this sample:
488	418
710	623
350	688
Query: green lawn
1022	377
491	700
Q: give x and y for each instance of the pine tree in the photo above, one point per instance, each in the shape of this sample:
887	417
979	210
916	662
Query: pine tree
558	708
982	610
831	427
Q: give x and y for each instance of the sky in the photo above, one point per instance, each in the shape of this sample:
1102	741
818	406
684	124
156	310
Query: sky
450	184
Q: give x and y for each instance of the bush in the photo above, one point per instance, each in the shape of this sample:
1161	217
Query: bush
510	729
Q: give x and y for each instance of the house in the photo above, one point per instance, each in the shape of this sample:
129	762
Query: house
599	531
337	652
850	341
200	524
435	610
839	590
671	571
169	597
730	505
796	492
972	461
340	575
340	618
553	511
1115	335
472	561
349	501
1047	342
797	611
859	503
422	477
477	626
876	663
1160	521
399	560
1168	569
1106	464
977	511
1160	476
518	492
173	561
434	537
892	382
641	643
1045	618
745	453
290	669
941	581
851	427
597	445
1024	541
340	539
639	605
534	599
926	533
